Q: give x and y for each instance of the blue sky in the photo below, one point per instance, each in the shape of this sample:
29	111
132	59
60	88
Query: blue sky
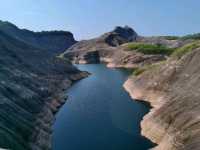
91	18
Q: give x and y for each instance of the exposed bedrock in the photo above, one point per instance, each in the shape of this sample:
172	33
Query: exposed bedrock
173	89
32	88
42	135
114	57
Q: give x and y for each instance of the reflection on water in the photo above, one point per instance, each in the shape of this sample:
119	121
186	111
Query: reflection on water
100	115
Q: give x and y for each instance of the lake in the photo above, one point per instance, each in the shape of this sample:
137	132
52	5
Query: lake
99	114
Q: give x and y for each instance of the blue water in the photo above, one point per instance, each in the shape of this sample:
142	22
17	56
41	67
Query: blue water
100	115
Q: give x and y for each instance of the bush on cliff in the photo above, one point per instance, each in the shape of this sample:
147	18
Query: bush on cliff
179	52
170	37
144	68
150	48
138	71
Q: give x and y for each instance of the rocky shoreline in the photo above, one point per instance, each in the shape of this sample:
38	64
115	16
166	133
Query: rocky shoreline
42	135
173	91
139	95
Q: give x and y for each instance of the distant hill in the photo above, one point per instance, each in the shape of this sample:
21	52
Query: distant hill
118	36
55	41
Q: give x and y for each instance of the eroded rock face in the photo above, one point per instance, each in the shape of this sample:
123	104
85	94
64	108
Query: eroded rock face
32	82
120	35
114	57
173	91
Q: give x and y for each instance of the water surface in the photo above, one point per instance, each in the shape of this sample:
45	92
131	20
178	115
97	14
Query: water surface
100	115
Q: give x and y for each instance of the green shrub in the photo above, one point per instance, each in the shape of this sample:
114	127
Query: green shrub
149	48
138	71
179	52
154	66
170	37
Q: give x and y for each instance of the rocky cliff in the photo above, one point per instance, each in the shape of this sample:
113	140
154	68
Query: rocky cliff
32	82
172	88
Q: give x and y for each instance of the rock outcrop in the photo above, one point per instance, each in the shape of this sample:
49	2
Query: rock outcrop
173	90
118	36
32	86
110	48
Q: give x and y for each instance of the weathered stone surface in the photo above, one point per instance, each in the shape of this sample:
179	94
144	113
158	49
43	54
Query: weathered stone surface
32	83
173	91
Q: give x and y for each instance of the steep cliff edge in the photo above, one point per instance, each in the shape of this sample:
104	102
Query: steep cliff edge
32	86
173	89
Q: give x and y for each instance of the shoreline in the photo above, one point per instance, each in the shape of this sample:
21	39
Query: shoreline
137	95
128	86
42	135
149	126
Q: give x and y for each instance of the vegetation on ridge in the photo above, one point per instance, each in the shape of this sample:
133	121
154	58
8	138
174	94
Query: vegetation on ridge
170	37
144	68
176	52
179	52
150	48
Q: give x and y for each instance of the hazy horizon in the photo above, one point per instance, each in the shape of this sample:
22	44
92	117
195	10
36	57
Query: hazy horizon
88	19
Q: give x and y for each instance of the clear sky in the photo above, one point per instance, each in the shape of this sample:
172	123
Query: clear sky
91	18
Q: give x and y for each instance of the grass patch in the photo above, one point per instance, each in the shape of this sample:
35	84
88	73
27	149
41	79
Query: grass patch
140	70
170	37
179	52
150	48
153	49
